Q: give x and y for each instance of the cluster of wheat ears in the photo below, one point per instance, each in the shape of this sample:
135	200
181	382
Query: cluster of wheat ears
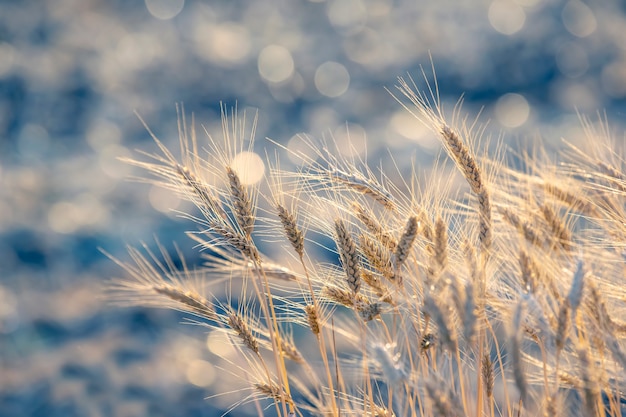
505	298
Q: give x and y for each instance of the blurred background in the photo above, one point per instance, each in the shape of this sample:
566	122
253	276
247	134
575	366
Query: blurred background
73	72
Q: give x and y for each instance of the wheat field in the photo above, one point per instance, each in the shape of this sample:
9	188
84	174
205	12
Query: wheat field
399	293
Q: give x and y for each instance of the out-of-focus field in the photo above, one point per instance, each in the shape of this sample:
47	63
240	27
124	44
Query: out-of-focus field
72	73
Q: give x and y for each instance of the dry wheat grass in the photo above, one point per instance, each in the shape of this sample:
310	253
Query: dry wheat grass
505	300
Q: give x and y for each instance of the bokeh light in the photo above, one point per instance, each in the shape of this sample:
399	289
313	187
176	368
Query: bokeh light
218	343
351	140
275	64
348	15
249	166
163	200
614	79
506	16
300	150
332	79
165	9
572	60
7	57
407	125
578	18
72	76
512	110
226	43
201	373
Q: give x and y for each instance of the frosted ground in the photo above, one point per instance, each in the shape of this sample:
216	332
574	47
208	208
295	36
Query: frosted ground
72	73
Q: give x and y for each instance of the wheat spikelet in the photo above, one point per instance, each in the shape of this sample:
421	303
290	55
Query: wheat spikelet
291	351
241	328
343	297
488	375
378	256
369	311
441	244
444	400
576	290
366	309
562	326
472	173
617	177
192	300
382	412
374	227
312	318
389	362
571	200
291	229
550	407
564	237
446	334
348	255
209	203
241	202
363	185
379	288
530	233
405	243
589	384
529	276
272	391
235	240
516	352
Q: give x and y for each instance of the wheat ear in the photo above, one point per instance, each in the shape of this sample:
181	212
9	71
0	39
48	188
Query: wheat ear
405	244
348	255
374	226
292	231
466	162
193	301
241	202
